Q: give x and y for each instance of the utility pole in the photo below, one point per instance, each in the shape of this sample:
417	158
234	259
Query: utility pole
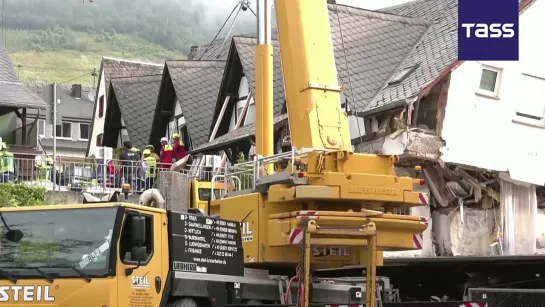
54	132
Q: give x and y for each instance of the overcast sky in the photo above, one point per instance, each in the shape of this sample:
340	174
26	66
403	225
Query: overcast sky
223	7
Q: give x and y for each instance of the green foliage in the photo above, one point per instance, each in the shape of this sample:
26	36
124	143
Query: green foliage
176	25
20	195
58	55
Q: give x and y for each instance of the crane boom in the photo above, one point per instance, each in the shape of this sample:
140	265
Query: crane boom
310	77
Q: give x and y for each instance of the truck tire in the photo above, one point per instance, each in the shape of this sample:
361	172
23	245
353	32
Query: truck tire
182	302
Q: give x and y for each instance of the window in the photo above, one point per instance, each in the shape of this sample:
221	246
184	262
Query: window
490	81
41	127
56	240
64	130
99	140
530	108
84	132
101	106
126	243
401	75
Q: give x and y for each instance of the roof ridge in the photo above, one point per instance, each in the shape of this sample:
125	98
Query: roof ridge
196	63
376	14
130	61
135	79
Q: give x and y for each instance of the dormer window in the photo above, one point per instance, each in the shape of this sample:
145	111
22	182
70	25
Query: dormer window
401	75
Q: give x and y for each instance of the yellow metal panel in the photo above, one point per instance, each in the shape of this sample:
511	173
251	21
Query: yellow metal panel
264	127
147	296
310	76
64	292
246	209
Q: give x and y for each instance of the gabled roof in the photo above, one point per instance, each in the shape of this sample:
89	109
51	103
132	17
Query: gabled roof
436	51
136	98
373	44
70	107
125	68
12	93
195	85
218	49
112	67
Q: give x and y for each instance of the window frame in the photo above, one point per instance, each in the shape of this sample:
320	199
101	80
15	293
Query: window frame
41	121
528	119
62	129
127	215
88	132
101	106
496	92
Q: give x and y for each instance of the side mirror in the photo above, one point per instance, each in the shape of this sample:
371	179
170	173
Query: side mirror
14	235
138	230
138	253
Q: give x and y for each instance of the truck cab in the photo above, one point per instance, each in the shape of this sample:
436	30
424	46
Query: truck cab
200	193
103	254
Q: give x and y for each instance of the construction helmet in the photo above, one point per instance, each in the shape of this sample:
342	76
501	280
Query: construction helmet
4	146
175	136
164	139
150	147
49	161
146	152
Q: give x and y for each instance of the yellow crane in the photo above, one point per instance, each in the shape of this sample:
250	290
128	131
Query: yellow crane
118	254
321	197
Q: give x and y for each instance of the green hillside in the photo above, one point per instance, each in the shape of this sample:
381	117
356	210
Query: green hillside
60	55
59	40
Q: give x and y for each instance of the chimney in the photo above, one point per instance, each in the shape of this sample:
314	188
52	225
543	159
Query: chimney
76	91
192	52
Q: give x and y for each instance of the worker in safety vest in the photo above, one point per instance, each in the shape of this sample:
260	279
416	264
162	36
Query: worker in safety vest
151	168
7	164
153	154
137	151
167	154
44	169
178	146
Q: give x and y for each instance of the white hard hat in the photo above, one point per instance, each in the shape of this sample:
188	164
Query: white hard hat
164	139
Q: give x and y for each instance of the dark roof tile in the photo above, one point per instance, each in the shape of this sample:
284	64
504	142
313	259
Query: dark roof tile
197	84
13	94
436	51
137	97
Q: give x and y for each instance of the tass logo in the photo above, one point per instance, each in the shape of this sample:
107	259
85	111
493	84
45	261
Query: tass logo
494	30
488	30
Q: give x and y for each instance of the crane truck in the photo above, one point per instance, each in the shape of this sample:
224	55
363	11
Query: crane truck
118	254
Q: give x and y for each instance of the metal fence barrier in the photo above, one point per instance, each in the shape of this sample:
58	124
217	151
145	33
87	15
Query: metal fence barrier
499	297
73	174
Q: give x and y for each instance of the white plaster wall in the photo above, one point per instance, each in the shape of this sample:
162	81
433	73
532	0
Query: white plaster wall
98	123
482	131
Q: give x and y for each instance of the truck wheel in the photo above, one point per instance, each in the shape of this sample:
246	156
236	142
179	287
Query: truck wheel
182	302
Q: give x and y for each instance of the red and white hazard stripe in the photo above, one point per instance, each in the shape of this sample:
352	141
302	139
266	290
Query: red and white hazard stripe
296	236
423	199
418	240
474	305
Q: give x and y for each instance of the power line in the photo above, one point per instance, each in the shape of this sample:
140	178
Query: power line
48	68
223	26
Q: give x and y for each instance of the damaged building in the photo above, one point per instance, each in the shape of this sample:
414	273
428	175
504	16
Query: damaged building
454	118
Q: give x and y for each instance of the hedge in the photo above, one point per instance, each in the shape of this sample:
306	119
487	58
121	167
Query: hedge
19	195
